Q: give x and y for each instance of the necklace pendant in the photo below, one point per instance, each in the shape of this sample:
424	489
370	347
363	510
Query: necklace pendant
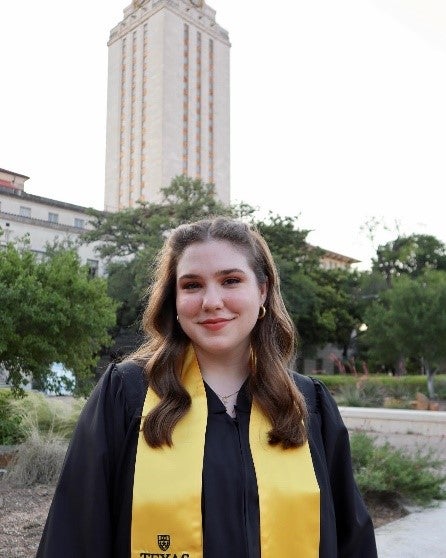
225	398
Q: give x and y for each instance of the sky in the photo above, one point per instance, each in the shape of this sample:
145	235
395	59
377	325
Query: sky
338	110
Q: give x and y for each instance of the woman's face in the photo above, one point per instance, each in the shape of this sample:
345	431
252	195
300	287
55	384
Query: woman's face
217	298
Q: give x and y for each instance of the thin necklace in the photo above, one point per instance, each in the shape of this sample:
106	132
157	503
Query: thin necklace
224	398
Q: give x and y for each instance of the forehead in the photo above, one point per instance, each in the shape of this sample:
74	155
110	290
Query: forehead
212	256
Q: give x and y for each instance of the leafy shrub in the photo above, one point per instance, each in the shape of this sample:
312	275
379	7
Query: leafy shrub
440	386
12	430
39	460
335	381
392	386
383	471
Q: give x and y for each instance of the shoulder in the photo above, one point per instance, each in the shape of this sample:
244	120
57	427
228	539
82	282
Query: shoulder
127	381
316	394
307	386
131	373
301	381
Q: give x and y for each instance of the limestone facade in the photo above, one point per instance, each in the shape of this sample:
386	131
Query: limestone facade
167	101
42	220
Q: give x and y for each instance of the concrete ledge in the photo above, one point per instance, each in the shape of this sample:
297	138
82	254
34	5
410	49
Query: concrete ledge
399	421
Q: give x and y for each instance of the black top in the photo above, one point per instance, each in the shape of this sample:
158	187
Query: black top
230	503
90	516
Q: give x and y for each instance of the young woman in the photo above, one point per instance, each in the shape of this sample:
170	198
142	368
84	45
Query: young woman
202	443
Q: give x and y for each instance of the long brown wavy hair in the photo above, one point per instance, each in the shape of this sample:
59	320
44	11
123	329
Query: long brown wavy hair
272	339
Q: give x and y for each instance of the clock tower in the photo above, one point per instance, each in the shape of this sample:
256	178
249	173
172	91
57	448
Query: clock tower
168	101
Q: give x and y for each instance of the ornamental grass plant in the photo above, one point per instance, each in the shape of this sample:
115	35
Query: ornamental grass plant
45	426
40	427
39	460
361	395
47	414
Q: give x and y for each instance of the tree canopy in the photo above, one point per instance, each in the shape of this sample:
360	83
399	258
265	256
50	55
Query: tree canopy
410	255
320	302
410	320
51	311
143	227
319	307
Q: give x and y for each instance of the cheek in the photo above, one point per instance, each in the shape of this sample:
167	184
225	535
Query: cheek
247	305
248	297
187	305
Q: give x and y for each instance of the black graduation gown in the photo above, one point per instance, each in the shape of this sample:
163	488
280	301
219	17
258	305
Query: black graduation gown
90	516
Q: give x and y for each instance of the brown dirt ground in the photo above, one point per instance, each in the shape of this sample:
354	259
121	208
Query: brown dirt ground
23	512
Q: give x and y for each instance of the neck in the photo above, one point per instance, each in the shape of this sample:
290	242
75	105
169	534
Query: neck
222	373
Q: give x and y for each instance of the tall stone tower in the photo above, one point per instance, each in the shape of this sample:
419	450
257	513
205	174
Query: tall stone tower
168	101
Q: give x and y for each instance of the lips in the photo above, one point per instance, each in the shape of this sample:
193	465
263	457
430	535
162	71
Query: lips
215	320
215	324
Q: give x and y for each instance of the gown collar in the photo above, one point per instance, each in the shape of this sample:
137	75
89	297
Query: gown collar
215	405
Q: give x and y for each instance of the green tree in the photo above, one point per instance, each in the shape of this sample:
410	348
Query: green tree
130	239
409	255
51	311
410	320
188	199
321	302
127	284
144	226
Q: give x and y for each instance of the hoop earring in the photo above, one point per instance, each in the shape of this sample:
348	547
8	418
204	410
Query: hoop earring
262	312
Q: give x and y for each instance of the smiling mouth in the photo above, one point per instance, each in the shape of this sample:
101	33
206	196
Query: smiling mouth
215	321
215	324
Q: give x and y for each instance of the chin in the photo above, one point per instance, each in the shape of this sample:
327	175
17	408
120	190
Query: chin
214	347
220	347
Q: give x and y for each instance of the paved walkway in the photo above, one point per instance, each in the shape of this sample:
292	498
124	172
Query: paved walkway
418	535
421	534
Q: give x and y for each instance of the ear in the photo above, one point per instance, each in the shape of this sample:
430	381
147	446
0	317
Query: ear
263	288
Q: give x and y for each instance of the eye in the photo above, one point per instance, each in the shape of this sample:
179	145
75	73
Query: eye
190	286
231	281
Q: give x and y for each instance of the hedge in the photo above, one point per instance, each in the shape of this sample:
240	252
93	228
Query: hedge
412	384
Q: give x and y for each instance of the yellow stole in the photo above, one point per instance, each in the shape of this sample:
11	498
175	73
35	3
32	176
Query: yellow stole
166	513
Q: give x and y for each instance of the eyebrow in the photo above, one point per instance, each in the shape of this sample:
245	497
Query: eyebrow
218	273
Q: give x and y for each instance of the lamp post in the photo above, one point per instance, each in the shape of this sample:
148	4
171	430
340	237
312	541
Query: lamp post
351	349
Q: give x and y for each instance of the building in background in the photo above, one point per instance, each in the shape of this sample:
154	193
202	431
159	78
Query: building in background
334	260
43	220
168	101
168	114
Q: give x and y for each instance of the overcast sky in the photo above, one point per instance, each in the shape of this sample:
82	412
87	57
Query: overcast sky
338	109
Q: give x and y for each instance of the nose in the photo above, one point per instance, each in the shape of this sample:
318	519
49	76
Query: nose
212	298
